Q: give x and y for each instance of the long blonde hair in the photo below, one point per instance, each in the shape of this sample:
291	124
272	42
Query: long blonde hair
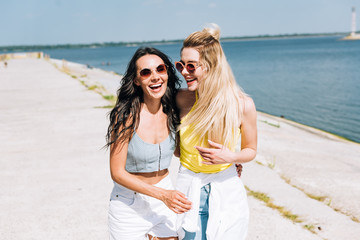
218	108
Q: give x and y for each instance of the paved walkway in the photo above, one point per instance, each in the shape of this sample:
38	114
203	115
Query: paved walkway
54	178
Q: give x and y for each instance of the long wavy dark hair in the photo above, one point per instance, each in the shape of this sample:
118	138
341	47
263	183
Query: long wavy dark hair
125	116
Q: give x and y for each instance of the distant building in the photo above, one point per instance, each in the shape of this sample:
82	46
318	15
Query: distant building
353	35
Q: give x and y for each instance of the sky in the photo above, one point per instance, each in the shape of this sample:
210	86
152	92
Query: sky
39	22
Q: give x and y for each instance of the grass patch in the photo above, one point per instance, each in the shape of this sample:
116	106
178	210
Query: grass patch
259	195
272	163
269	164
287	180
355	219
107	106
96	88
310	227
271	124
291	216
269	203
282	210
92	87
318	198
260	163
324	199
109	97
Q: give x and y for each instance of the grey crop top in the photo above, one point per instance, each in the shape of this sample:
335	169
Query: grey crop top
149	157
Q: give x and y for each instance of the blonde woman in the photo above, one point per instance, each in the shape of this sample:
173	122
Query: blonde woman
215	113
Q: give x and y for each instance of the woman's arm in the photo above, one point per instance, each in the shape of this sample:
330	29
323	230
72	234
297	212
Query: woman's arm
173	199
219	154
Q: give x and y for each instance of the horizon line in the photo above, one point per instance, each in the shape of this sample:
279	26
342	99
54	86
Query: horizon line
120	43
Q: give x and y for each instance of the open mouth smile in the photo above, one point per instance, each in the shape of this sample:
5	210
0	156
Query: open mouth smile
155	86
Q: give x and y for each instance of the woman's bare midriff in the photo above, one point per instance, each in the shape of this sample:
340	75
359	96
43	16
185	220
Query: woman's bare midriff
152	177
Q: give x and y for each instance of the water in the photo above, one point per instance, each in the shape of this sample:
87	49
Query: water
313	81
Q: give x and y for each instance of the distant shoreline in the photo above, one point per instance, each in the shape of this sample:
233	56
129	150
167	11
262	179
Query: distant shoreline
19	48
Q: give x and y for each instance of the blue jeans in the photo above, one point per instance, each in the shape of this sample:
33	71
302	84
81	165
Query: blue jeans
203	216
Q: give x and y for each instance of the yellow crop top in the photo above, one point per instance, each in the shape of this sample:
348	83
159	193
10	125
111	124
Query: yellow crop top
190	157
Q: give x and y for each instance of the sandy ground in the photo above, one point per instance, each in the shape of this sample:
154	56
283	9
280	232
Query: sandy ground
55	181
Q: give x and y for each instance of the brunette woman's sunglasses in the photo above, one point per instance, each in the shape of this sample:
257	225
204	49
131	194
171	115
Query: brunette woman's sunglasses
146	72
190	67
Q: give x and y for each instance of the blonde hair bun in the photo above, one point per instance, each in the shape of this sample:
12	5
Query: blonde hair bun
213	29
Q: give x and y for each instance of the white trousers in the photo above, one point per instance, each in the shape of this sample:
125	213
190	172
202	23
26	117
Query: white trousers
132	215
228	207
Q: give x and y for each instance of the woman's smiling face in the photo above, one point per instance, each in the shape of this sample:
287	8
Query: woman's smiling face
191	55
151	76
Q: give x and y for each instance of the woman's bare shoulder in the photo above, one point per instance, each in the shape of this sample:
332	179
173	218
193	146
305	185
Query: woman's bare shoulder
249	104
248	109
249	114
